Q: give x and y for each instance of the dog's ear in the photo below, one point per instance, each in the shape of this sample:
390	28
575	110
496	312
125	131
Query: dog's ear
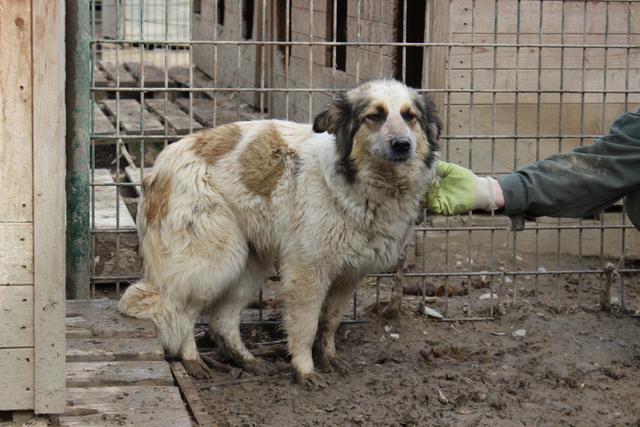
430	119
335	116
431	126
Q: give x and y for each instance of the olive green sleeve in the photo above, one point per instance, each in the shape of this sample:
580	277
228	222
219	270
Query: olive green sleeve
582	182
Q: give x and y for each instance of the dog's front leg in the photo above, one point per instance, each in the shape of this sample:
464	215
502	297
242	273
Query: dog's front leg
303	291
334	306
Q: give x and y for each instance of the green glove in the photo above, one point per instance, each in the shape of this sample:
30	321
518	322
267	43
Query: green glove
457	190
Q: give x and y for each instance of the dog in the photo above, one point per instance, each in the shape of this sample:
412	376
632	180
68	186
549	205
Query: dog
328	203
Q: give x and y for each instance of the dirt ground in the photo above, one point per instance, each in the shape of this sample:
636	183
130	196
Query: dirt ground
572	366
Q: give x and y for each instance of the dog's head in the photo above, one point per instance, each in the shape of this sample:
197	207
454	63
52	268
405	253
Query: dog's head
382	123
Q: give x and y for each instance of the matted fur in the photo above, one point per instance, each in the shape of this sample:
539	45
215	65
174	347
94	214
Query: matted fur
330	203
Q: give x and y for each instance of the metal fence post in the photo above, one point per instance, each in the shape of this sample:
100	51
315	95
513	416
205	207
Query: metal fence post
78	105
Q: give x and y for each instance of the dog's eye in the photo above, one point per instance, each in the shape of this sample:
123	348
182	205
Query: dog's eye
408	116
375	117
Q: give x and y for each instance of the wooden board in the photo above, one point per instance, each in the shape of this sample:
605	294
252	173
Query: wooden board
133	119
49	204
99	318
134	176
113	73
100	79
171	115
16	381
104	201
16	181
113	349
574	17
103	374
125	406
203	112
16	311
16	253
436	58
153	76
181	76
101	124
191	396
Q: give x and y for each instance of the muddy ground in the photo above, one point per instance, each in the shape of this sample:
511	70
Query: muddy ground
573	366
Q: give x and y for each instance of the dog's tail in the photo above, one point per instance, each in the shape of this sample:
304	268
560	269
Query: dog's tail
142	300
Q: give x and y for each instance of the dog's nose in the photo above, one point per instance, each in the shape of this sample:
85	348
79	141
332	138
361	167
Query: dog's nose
401	145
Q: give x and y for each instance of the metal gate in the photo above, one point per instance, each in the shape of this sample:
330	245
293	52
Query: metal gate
515	81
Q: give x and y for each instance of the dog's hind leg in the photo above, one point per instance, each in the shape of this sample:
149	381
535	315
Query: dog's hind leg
325	348
224	317
176	331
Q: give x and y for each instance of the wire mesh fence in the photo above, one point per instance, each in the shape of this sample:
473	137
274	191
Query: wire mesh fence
514	80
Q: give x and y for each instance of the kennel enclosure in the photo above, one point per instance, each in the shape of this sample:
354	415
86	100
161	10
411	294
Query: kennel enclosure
514	80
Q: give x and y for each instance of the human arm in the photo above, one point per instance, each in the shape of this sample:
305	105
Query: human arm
575	184
457	190
582	182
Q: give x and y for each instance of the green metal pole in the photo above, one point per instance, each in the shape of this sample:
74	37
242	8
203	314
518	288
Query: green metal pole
78	104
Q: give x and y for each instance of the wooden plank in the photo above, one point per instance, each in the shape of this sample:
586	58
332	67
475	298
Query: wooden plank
104	201
113	349
100	79
437	56
125	406
16	253
131	120
181	76
16	180
153	76
171	115
191	396
552	80
49	219
16	381
203	112
99	318
574	17
101	124
552	58
102	374
16	311
120	72
134	176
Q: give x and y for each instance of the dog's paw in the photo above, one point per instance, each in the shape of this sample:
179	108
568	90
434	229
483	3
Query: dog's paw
312	381
197	369
259	367
334	364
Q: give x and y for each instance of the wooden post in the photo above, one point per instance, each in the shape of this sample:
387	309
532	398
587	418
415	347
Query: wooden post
437	31
78	101
48	205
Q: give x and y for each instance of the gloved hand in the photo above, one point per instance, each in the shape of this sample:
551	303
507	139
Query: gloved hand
457	190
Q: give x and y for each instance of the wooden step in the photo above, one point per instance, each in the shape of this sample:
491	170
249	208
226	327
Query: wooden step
153	76
113	349
171	115
99	318
110	211
134	176
181	76
103	374
149	406
101	124
100	79
203	112
113	73
132	117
